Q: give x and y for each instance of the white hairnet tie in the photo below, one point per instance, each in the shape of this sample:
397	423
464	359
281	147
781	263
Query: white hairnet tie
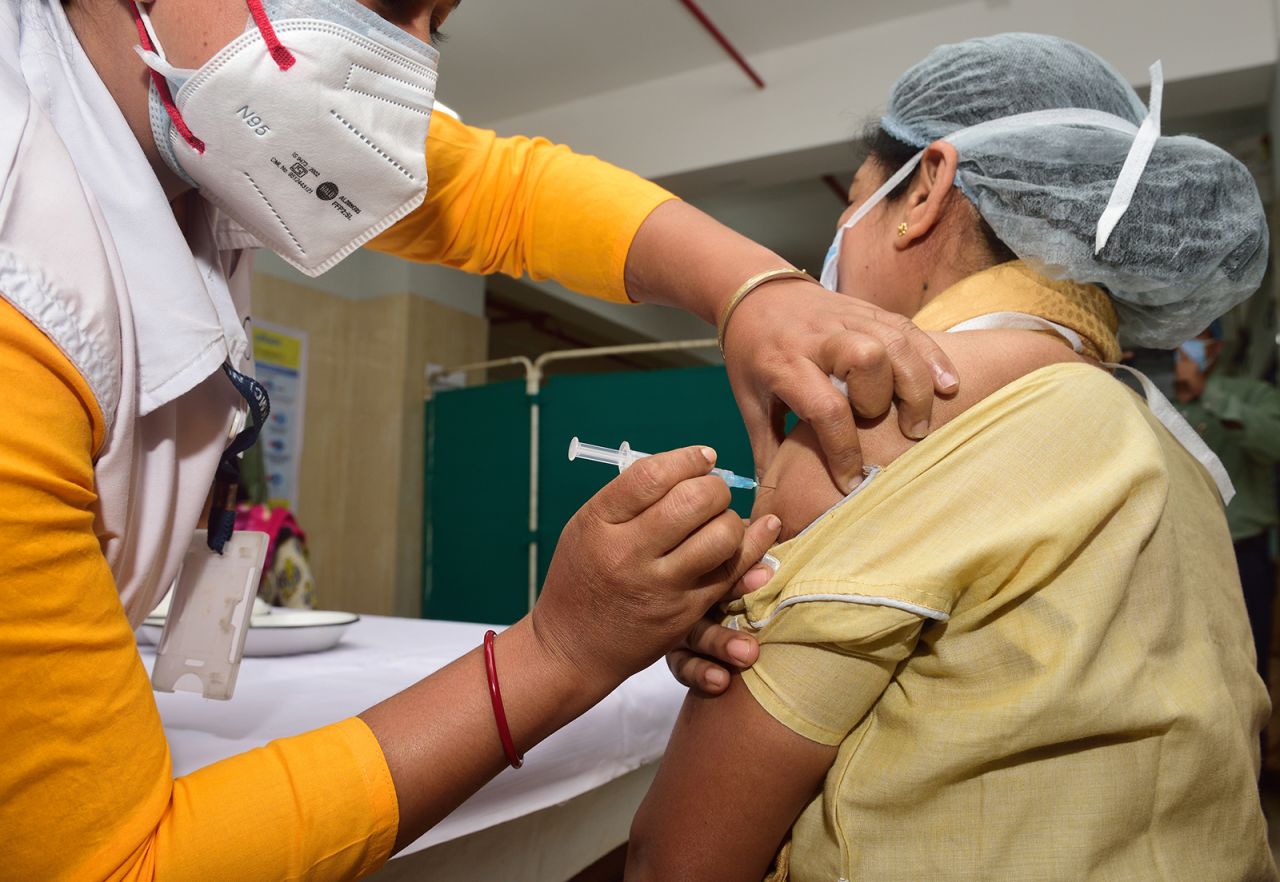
1135	162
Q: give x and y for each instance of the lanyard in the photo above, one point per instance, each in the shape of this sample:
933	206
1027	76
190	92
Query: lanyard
226	481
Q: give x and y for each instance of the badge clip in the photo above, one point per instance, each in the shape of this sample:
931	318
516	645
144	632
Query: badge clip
204	632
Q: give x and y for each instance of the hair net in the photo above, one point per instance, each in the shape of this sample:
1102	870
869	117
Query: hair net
1193	240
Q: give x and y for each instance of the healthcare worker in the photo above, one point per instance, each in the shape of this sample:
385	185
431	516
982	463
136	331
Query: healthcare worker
145	150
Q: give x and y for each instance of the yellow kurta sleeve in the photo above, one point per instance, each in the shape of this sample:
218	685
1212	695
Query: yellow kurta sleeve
86	787
819	688
524	206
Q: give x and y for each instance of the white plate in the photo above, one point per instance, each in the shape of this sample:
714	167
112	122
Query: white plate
279	632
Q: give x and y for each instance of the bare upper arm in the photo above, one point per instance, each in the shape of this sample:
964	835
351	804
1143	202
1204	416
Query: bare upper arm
732	783
797	487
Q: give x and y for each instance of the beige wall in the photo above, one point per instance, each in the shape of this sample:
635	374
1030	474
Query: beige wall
360	481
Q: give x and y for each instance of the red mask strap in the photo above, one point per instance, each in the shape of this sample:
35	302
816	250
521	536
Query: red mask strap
281	55
162	87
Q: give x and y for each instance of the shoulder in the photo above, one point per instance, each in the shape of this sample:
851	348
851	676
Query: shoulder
1022	391
1034	388
1040	462
986	362
1065	428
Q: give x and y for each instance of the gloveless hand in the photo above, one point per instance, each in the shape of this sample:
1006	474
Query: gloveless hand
710	651
788	337
642	562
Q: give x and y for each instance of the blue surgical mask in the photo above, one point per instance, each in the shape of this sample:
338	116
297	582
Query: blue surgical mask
831	265
1197	351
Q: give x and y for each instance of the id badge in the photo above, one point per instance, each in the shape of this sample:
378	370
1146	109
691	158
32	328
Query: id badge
204	633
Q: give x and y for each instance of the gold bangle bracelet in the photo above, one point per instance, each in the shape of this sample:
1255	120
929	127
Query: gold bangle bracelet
748	286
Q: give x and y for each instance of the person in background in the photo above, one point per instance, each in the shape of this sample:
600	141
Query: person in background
1239	418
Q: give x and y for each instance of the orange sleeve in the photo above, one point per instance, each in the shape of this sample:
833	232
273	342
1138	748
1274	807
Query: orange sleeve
86	787
524	206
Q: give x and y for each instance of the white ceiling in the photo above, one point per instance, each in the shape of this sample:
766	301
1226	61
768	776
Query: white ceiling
507	57
795	219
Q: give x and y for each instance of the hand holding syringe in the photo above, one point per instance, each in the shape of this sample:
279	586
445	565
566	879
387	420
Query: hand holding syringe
624	456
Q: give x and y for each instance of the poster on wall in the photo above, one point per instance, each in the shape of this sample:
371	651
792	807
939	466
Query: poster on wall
281	356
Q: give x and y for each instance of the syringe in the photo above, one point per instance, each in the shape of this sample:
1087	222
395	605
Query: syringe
624	456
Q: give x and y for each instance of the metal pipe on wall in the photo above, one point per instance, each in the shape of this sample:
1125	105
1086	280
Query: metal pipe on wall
725	44
834	185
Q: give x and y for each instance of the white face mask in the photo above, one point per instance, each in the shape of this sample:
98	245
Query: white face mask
1144	138
309	129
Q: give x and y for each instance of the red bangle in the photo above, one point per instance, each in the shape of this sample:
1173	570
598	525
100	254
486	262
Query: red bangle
495	695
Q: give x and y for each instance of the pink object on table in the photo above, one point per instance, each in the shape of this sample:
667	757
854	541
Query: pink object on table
275	522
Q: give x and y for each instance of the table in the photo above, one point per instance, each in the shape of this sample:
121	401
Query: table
584	782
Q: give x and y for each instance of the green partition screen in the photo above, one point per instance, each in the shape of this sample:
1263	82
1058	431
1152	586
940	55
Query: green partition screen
476	559
653	410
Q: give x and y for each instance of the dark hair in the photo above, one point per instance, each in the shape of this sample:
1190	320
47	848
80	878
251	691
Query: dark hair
892	154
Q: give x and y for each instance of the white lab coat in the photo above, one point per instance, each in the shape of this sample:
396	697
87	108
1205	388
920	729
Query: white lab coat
91	253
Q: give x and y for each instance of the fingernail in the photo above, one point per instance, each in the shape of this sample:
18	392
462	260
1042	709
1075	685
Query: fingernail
772	522
741	651
920	429
771	562
709	455
947	379
756	578
716	678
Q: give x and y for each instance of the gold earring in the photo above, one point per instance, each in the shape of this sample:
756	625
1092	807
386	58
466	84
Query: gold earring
902	229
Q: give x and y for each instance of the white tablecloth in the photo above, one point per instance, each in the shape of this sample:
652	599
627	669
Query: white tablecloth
278	697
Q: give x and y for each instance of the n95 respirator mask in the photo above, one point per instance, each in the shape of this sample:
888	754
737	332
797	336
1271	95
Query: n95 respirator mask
309	130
